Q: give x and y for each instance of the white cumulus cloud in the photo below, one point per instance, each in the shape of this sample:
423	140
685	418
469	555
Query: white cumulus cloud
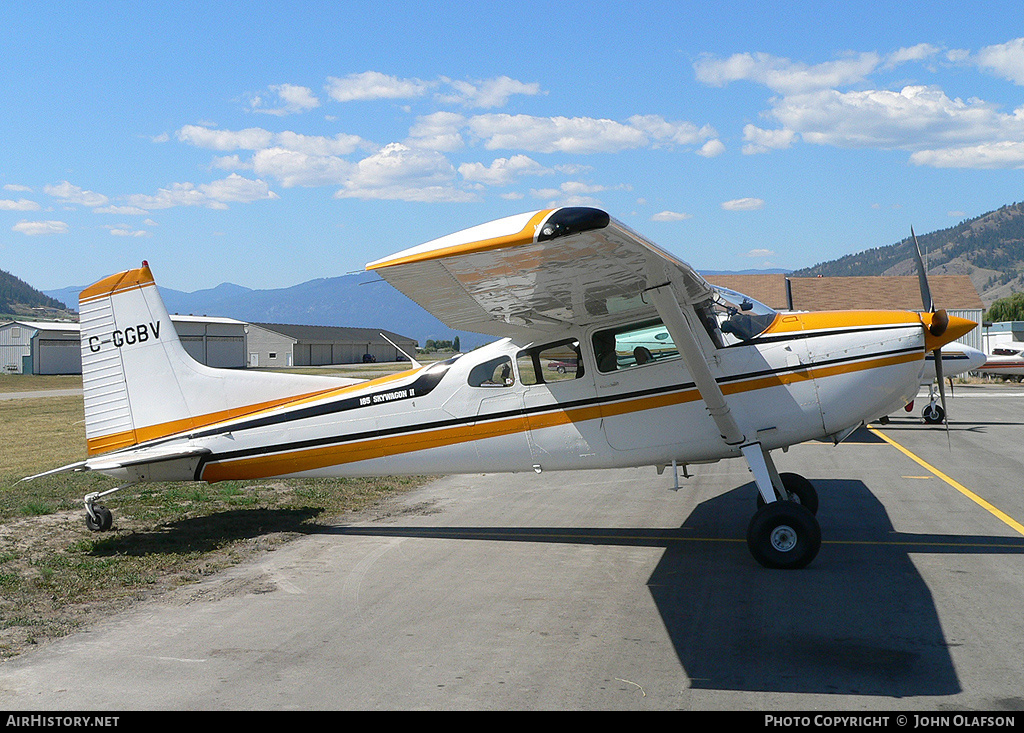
486	93
215	195
289	99
371	85
19	205
502	171
1006	60
783	75
837	103
40	228
399	172
744	204
75	195
671	216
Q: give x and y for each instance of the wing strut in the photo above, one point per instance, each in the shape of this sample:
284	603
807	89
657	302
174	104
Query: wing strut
760	462
679	328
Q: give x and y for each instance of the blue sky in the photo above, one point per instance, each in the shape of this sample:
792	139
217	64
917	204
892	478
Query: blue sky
267	144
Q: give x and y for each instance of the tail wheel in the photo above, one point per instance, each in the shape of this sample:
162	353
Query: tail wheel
103	520
784	535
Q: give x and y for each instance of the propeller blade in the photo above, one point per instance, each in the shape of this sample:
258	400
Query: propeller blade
937	326
922	276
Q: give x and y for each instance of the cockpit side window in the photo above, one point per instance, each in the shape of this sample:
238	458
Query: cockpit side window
494	373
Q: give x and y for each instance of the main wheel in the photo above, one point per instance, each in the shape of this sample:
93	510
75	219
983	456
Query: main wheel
784	534
104	519
798	490
933	414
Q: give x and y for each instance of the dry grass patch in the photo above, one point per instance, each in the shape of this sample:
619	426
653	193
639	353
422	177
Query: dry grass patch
56	575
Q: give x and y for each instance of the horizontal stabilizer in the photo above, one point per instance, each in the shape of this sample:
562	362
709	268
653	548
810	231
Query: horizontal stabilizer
144	456
128	458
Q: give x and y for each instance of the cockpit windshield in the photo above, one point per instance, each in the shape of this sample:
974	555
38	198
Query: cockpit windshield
732	317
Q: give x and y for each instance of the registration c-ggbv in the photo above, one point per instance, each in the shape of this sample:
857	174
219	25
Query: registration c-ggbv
127	337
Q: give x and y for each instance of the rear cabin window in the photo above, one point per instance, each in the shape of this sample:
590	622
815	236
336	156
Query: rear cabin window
557	362
633	345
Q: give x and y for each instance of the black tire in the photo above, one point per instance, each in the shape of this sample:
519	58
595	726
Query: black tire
784	535
104	519
799	490
933	414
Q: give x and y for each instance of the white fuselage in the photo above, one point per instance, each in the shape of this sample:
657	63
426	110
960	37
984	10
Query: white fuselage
957	359
783	388
1006	360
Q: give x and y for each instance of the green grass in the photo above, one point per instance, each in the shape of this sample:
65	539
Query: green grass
56	575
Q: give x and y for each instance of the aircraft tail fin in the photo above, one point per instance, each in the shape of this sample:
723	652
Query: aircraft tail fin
140	383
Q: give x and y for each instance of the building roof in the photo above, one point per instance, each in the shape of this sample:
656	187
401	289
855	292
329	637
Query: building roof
952	292
767	289
333	333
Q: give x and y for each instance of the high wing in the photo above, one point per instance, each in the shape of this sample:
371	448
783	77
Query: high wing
538	272
547	270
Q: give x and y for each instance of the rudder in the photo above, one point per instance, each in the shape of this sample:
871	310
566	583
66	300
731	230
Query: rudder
138	381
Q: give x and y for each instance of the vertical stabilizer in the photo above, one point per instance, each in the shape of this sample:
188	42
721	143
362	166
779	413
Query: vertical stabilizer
139	382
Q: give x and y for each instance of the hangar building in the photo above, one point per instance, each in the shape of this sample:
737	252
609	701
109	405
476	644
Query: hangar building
53	347
284	345
40	347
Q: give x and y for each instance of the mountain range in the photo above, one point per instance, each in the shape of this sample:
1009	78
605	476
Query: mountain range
989	249
20	299
360	300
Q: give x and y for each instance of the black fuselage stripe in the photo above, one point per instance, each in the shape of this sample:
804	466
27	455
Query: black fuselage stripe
522	412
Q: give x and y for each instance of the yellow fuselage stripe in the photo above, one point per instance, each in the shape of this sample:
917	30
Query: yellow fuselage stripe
314	458
113	441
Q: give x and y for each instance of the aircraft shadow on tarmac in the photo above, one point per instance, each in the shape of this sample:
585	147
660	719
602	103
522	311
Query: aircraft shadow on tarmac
859	620
207	533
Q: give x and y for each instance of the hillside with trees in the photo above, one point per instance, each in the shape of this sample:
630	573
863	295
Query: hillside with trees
19	299
989	249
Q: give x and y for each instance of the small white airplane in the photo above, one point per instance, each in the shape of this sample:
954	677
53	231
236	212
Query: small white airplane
956	359
570	293
1006	360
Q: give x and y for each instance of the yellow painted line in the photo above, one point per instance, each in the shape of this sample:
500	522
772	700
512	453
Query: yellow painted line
1014	524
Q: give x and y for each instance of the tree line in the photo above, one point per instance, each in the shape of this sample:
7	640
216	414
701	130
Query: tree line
15	291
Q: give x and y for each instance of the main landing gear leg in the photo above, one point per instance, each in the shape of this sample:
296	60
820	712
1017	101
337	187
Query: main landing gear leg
783	533
97	517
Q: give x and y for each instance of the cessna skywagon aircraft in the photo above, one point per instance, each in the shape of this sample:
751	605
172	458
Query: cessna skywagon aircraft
580	377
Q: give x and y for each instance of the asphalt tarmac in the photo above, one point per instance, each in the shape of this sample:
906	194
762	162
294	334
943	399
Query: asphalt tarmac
608	590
